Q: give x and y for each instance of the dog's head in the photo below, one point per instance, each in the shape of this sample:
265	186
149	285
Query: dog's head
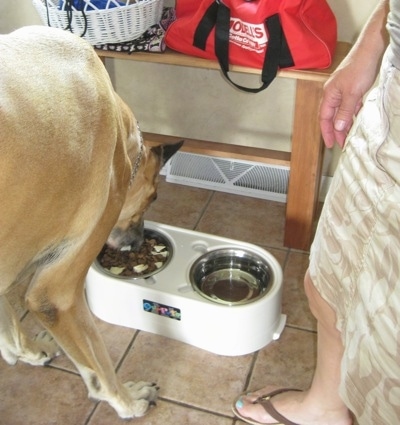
142	192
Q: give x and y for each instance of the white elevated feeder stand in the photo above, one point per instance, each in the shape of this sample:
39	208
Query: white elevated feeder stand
167	304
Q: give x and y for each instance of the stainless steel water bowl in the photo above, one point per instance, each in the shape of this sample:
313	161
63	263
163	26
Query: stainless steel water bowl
148	234
231	276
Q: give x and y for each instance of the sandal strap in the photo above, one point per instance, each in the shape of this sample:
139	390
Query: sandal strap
265	402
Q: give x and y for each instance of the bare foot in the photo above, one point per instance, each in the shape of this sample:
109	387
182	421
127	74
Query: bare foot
296	407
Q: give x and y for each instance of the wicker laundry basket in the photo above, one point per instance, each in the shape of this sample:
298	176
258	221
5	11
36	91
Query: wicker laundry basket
114	24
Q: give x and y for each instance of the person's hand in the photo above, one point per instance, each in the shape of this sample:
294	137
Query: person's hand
345	89
342	100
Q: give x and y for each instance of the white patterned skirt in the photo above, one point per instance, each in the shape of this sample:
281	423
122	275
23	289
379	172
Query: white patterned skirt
355	257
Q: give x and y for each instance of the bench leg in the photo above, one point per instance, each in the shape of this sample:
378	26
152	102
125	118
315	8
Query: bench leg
305	166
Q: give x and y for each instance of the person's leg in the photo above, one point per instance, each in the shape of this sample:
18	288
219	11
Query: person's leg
324	390
321	404
354	265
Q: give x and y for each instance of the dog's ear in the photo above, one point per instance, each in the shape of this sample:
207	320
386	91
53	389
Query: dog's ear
170	150
167	150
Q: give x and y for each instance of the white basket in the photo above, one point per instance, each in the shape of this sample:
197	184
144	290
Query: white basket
113	25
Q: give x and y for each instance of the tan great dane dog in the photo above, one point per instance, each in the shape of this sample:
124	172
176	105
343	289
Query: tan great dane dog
72	164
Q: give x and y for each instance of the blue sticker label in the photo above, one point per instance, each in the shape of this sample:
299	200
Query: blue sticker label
162	310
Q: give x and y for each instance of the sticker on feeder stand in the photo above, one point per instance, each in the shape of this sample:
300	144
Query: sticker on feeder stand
162	310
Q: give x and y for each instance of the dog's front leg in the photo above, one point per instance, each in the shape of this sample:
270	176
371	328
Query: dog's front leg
58	302
16	345
91	358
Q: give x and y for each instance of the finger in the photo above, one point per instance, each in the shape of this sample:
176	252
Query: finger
327	115
328	133
346	112
342	128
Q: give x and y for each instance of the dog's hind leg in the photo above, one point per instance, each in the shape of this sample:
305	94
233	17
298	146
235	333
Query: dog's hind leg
16	345
56	296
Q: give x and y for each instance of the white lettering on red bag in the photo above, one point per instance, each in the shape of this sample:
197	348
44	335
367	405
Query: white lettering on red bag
248	36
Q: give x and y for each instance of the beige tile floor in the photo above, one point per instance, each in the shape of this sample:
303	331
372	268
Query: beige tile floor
197	387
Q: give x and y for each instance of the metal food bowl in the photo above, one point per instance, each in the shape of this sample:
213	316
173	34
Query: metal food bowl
231	276
148	234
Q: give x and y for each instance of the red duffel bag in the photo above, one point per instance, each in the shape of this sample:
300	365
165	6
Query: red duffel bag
264	34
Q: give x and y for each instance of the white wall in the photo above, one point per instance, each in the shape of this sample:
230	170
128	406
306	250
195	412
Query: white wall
198	103
16	14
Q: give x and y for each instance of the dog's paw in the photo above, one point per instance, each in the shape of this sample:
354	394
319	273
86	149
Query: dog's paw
143	396
143	390
44	348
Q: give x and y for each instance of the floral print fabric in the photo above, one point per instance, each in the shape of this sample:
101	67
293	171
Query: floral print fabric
355	257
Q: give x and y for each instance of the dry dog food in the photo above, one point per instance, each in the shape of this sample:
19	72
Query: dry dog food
126	262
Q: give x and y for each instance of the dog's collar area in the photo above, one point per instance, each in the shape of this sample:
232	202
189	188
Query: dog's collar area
139	156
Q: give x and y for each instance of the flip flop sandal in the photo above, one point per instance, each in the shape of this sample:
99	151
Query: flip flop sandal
265	402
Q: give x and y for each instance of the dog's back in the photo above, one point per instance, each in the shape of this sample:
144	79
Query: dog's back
58	113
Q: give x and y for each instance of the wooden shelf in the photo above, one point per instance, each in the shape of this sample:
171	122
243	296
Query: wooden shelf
170	57
223	150
306	158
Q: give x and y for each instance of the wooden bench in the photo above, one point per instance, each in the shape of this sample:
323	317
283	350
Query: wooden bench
306	156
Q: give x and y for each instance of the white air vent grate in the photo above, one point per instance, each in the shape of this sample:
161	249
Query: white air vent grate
227	175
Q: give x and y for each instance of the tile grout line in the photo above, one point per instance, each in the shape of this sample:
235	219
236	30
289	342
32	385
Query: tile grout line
193	407
211	196
299	328
128	348
251	370
91	414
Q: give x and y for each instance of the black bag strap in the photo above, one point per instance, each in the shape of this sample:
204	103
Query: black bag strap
277	54
205	26
79	5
